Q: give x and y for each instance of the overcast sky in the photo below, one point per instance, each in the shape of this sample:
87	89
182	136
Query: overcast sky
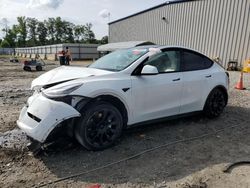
75	11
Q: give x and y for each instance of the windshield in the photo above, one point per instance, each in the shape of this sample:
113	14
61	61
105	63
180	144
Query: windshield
118	60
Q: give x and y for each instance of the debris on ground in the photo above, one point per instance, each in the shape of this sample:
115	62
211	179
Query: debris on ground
15	139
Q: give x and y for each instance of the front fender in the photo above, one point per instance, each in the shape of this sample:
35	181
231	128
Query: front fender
113	88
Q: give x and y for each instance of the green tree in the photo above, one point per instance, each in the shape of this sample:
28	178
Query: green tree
22	31
59	29
32	32
79	32
41	32
11	37
104	40
50	25
89	34
68	35
5	44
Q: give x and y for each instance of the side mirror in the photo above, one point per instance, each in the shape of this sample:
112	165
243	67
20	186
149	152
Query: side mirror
149	70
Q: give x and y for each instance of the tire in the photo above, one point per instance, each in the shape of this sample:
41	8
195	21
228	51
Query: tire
26	68
215	103
39	68
99	127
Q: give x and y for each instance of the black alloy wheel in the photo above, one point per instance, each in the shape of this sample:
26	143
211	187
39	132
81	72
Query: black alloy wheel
99	127
215	103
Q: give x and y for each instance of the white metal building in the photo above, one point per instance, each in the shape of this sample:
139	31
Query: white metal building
78	51
217	28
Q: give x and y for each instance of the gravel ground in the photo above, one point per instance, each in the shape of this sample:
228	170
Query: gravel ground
189	164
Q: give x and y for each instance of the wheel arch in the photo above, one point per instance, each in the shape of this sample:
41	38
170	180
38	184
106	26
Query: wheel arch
221	88
106	98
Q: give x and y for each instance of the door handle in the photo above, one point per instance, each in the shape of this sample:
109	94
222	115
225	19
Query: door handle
178	79
209	76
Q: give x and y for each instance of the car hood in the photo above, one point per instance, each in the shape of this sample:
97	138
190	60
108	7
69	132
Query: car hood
65	73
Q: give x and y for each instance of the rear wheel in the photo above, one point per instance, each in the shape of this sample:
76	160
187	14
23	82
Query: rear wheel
215	103
99	127
39	68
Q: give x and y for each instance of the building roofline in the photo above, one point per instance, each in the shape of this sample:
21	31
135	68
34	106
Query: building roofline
152	8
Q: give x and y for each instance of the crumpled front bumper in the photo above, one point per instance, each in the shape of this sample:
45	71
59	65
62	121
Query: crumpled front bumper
41	115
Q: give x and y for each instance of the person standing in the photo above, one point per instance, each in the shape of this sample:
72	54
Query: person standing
68	57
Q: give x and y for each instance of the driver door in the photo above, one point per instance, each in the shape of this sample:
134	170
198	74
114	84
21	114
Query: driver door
157	96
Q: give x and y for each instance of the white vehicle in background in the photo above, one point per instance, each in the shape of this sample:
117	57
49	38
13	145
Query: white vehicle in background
121	89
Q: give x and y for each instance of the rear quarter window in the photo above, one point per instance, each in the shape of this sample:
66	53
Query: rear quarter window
194	61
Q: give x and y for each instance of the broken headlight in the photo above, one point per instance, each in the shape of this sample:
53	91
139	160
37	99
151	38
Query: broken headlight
61	91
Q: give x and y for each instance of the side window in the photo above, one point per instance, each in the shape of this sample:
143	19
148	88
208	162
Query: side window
168	61
193	61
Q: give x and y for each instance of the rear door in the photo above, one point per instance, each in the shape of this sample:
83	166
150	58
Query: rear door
196	75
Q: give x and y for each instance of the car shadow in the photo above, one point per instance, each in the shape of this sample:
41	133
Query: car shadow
164	164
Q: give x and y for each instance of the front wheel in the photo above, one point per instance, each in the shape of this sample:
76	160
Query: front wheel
26	68
215	103
99	127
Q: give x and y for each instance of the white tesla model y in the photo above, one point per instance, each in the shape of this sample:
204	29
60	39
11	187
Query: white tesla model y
124	88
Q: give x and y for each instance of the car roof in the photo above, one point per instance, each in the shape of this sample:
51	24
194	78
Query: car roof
166	47
145	47
162	47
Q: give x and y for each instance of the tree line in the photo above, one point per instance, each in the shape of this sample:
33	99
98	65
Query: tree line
32	32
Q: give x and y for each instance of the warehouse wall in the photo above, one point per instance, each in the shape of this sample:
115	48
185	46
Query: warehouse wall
78	51
213	27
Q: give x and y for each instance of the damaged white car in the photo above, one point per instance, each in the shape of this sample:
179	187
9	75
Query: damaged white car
124	88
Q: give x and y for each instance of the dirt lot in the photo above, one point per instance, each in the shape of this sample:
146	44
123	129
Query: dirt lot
195	163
